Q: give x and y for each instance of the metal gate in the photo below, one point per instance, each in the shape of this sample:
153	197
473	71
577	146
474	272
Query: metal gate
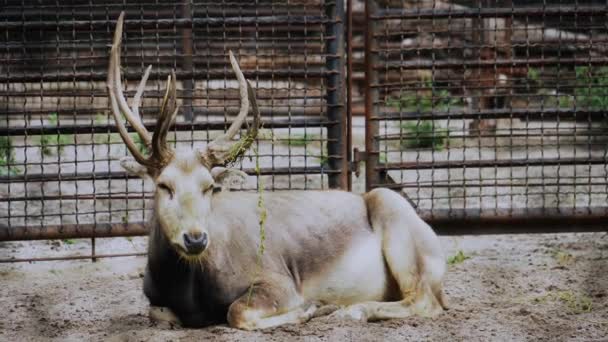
491	116
59	150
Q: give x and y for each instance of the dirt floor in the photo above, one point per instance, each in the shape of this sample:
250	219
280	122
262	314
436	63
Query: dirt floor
501	288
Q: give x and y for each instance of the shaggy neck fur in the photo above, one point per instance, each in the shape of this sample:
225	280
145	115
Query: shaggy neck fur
186	287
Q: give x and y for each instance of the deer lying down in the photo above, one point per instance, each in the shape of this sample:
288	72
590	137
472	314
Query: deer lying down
369	254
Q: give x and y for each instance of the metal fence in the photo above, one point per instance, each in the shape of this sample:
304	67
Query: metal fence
59	148
491	116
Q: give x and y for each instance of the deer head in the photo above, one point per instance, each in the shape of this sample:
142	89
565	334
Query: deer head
185	179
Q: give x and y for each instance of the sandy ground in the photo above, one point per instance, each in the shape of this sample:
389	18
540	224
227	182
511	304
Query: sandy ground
515	288
522	288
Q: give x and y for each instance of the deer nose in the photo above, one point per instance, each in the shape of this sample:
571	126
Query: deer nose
195	242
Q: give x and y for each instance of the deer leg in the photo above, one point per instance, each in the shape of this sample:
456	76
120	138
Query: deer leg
161	314
414	258
270	303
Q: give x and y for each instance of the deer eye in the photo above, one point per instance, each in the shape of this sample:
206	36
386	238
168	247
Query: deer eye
165	187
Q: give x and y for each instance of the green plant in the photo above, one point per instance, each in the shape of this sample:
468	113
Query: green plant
7	157
100	119
591	89
69	241
323	159
262	221
47	142
577	303
565	101
425	101
563	258
423	134
533	74
301	139
382	157
458	258
140	144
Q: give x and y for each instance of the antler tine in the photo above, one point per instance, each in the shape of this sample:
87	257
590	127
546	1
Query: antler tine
131	116
245	143
219	152
244	110
168	112
140	90
122	130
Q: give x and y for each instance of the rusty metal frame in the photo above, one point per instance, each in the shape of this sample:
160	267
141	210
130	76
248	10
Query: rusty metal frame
331	116
338	149
477	221
336	72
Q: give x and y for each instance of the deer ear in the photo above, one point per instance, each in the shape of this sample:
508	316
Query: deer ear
229	178
133	167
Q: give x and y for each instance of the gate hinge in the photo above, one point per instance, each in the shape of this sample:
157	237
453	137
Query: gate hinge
358	157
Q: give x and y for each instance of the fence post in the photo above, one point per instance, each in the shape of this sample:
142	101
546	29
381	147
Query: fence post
372	147
187	65
337	151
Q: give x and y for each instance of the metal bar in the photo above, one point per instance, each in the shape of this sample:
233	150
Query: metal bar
162	23
211	110
492	63
151	9
72	231
47	177
531	132
335	97
187	65
134	76
349	89
539	114
72	257
545	11
516	221
178	126
443	221
469	184
372	128
451	164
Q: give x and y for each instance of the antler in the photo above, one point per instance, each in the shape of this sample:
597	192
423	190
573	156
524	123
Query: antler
161	153
220	151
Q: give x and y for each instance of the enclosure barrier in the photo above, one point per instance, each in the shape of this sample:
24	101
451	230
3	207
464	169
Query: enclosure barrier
489	115
59	171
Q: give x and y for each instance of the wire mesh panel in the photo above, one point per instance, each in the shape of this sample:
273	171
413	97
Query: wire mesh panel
490	113
59	148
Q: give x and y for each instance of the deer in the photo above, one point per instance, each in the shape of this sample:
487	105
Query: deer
365	256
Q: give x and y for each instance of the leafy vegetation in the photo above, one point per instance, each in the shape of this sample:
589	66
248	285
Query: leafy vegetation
425	101
533	74
7	158
458	258
563	258
301	139
140	144
100	119
382	158
590	89
577	303
48	142
321	156
423	134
